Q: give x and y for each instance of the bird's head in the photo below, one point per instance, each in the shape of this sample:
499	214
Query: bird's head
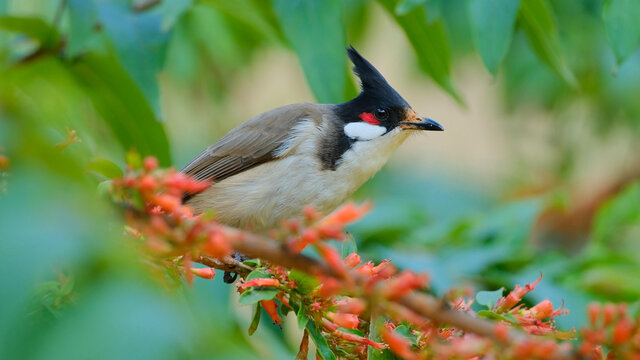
378	109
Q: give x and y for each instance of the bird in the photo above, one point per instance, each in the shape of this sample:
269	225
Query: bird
272	166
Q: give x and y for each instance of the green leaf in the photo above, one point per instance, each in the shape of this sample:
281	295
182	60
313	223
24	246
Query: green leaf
171	11
622	25
430	43
349	246
82	19
315	30
306	283
122	106
256	294
32	27
257	312
301	314
140	44
405	6
501	317
321	343
537	20
105	167
374	335
258	274
492	25
406	333
489	298
614	221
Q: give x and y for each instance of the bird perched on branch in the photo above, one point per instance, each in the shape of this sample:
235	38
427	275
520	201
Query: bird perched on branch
270	167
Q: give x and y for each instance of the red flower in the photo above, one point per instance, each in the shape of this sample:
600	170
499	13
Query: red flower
505	303
216	245
402	284
167	202
351	306
261	282
357	339
542	310
352	260
347	213
397	343
147	183
622	331
593	310
332	257
347	321
205	273
271	308
150	163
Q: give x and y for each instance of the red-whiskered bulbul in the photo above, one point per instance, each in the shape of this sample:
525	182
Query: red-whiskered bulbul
273	165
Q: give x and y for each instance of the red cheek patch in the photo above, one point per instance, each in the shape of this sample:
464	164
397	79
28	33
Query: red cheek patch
369	118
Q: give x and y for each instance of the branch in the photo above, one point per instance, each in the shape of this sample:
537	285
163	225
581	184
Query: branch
423	304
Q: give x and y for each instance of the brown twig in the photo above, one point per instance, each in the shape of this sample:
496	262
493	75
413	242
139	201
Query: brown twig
421	303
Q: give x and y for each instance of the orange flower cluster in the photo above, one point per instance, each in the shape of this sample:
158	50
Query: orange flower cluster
345	305
610	326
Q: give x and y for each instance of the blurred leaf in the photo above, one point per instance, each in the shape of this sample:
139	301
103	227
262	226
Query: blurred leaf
122	106
171	11
492	23
405	6
614	217
105	168
314	29
133	322
251	15
324	351
430	43
536	17
434	10
257	312
306	283
33	27
622	25
489	298
82	19
500	317
374	335
302	317
348	246
140	43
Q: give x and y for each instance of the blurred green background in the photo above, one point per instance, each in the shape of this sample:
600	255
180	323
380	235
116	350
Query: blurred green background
536	171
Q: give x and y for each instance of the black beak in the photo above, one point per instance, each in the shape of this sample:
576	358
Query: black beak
425	124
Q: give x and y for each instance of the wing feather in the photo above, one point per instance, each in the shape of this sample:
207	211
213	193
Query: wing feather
252	143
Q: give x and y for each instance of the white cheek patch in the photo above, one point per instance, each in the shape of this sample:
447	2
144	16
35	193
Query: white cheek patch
363	131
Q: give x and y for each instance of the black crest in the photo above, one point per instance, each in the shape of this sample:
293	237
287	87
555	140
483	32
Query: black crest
370	77
374	85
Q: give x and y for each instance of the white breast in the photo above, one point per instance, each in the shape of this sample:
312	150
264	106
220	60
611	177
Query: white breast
261	197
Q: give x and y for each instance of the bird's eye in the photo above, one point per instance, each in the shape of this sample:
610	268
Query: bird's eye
381	114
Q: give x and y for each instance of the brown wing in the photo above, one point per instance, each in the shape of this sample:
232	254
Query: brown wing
250	144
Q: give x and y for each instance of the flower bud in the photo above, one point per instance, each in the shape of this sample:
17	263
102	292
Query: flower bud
593	311
150	163
266	282
622	331
205	273
352	260
347	321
